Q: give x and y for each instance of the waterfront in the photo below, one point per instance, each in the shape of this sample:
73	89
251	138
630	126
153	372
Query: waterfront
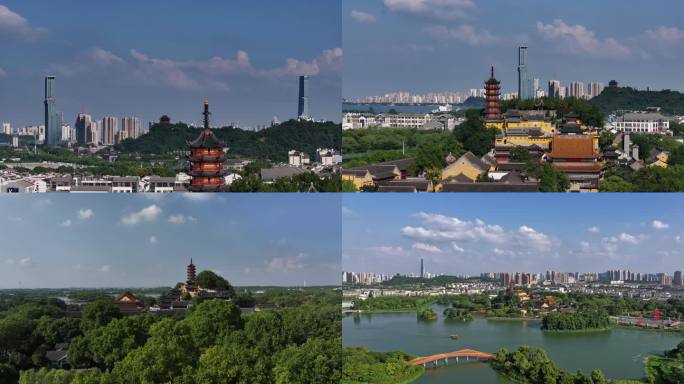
619	353
401	108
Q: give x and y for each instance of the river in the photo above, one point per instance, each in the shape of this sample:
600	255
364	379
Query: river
619	353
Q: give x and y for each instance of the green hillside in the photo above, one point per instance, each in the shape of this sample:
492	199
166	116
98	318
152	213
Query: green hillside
271	143
611	99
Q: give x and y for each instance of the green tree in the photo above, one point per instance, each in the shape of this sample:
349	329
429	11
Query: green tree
97	314
316	361
616	184
211	321
112	342
232	363
210	280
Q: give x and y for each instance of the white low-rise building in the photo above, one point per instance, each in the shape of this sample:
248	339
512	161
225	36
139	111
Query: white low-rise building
297	158
641	123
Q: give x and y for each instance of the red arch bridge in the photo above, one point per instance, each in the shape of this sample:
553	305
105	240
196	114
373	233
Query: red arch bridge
462	355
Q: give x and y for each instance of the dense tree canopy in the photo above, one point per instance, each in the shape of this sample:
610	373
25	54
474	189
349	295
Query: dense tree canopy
626	98
271	143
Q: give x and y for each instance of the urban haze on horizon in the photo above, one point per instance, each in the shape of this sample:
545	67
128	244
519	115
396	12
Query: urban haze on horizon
470	234
449	46
249	71
148	240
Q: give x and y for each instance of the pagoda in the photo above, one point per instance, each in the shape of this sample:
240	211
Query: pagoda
492	92
191	277
206	159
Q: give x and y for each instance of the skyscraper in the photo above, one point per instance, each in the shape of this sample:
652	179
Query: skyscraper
576	90
303	109
422	269
53	120
86	130
524	81
554	88
131	127
678	278
6	128
109	129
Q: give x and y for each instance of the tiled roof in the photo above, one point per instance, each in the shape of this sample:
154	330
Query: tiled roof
573	147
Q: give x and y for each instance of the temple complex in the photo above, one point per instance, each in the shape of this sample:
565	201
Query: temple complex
206	159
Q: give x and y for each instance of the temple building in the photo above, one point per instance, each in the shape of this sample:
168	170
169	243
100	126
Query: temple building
190	286
492	93
129	304
577	156
206	159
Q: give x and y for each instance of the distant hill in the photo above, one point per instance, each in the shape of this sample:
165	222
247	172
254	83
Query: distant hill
611	99
473	102
271	143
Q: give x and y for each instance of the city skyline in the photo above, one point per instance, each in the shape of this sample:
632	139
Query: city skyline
147	240
521	233
450	45
169	58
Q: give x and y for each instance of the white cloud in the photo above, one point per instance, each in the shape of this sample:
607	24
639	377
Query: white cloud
181	219
105	268
593	229
611	243
66	223
456	248
153	240
3	73
23	262
146	214
426	248
665	35
503	252
437	228
284	264
584	245
657	224
577	39
347	212
13	25
464	33
85	214
387	250
362	17
678	239
104	57
433	9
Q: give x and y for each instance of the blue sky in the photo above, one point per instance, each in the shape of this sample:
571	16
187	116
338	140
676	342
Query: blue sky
142	240
448	45
154	57
472	233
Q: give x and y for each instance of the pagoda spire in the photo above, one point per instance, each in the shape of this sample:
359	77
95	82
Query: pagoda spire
492	76
206	114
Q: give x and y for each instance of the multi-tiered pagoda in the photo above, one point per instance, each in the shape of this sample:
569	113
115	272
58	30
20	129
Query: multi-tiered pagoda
191	277
492	93
206	159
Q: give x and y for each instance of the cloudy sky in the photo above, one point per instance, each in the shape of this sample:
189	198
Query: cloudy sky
448	45
154	57
141	240
471	233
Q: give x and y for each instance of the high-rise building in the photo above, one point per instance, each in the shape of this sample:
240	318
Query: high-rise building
6	128
677	280
524	81
86	130
492	93
303	107
594	89
131	127
53	119
109	129
422	269
576	90
554	88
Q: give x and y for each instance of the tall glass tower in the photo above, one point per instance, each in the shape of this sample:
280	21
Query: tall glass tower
53	119
303	107
524	81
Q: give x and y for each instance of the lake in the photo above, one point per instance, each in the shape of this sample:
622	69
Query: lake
619	353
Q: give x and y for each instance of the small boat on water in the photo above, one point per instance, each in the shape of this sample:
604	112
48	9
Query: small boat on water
453	337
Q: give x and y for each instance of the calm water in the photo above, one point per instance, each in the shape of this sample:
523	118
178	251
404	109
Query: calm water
384	108
619	353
